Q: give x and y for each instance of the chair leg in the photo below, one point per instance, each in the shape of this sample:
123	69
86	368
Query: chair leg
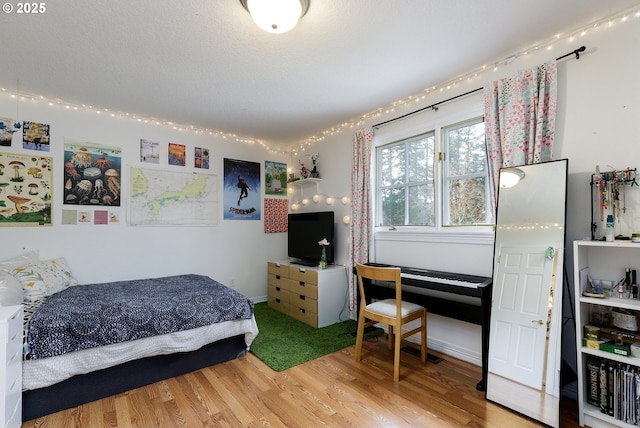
390	337
396	356
360	336
423	346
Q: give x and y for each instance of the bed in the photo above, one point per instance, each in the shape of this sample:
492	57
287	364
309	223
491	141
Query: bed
86	342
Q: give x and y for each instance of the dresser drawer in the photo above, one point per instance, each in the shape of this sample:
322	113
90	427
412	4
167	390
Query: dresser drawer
304	315
304	275
277	280
279	304
278	292
278	269
304	288
301	301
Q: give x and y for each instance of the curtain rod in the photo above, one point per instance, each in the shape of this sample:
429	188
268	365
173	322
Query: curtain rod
575	52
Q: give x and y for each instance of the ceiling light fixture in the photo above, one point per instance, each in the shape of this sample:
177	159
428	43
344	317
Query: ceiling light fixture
509	177
276	16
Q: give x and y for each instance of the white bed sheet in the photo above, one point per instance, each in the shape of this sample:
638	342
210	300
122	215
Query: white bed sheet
48	371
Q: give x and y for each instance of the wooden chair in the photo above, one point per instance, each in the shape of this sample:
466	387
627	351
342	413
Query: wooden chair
393	312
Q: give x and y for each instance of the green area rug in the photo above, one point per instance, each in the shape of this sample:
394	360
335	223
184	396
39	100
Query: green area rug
284	342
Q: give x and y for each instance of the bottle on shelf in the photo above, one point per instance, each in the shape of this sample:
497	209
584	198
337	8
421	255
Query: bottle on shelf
610	234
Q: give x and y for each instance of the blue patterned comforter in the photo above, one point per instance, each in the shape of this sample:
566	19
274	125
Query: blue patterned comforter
86	316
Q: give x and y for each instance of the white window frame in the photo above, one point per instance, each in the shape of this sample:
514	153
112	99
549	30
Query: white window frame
447	179
430	121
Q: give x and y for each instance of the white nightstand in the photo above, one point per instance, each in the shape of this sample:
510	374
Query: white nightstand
11	363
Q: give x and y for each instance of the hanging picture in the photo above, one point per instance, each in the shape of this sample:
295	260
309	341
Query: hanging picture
177	154
92	174
149	151
35	136
275	215
201	158
6	131
275	178
241	190
25	190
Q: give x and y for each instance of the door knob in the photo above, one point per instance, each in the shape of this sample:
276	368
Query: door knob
540	322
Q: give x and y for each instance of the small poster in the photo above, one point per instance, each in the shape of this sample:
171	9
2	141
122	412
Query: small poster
149	151
177	154
275	178
6	131
35	136
201	158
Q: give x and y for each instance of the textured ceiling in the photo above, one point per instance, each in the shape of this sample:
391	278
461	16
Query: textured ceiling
205	63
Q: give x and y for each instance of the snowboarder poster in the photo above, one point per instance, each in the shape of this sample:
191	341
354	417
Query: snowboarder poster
242	190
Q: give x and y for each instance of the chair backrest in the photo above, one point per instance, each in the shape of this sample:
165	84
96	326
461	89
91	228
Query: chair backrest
375	273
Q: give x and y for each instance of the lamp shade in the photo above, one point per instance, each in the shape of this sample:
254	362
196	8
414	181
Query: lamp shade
275	16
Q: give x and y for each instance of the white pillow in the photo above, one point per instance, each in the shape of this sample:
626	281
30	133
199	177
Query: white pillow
10	290
44	278
21	260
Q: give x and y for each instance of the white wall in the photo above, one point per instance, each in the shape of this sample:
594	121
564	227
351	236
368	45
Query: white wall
232	250
598	111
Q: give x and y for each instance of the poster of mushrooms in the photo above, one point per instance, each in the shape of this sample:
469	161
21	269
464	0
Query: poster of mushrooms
91	174
25	190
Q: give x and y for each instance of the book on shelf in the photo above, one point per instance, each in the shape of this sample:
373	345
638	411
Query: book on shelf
613	333
623	349
593	381
618	349
614	388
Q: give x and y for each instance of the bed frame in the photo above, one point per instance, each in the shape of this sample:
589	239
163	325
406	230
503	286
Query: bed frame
93	386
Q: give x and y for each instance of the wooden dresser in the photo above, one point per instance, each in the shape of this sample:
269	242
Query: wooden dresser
315	296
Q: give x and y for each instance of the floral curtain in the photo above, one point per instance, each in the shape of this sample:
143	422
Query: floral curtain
360	226
520	119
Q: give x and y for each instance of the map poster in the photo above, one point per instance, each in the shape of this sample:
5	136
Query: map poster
160	197
242	190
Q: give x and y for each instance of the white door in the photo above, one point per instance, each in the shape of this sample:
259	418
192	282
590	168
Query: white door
519	314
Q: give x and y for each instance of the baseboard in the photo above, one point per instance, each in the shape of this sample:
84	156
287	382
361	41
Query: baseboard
447	348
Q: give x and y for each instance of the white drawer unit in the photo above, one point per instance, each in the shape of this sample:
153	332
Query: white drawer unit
11	363
315	296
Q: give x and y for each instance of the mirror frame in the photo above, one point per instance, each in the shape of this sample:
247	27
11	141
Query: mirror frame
539	405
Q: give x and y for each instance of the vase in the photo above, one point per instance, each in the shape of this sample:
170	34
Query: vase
323	259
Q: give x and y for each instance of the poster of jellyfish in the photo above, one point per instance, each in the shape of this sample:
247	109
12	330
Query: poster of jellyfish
92	174
242	192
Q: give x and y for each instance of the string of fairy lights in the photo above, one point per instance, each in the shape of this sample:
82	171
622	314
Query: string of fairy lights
410	101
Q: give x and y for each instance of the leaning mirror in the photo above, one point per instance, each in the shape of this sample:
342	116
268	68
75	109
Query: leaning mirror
526	310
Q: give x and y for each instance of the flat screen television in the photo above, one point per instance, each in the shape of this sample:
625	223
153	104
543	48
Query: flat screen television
305	230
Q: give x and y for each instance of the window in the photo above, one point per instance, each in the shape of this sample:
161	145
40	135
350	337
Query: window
437	178
466	181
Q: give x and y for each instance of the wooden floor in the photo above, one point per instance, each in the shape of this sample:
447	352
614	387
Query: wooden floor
331	391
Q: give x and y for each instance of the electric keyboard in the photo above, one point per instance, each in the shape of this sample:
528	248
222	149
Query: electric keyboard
450	283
